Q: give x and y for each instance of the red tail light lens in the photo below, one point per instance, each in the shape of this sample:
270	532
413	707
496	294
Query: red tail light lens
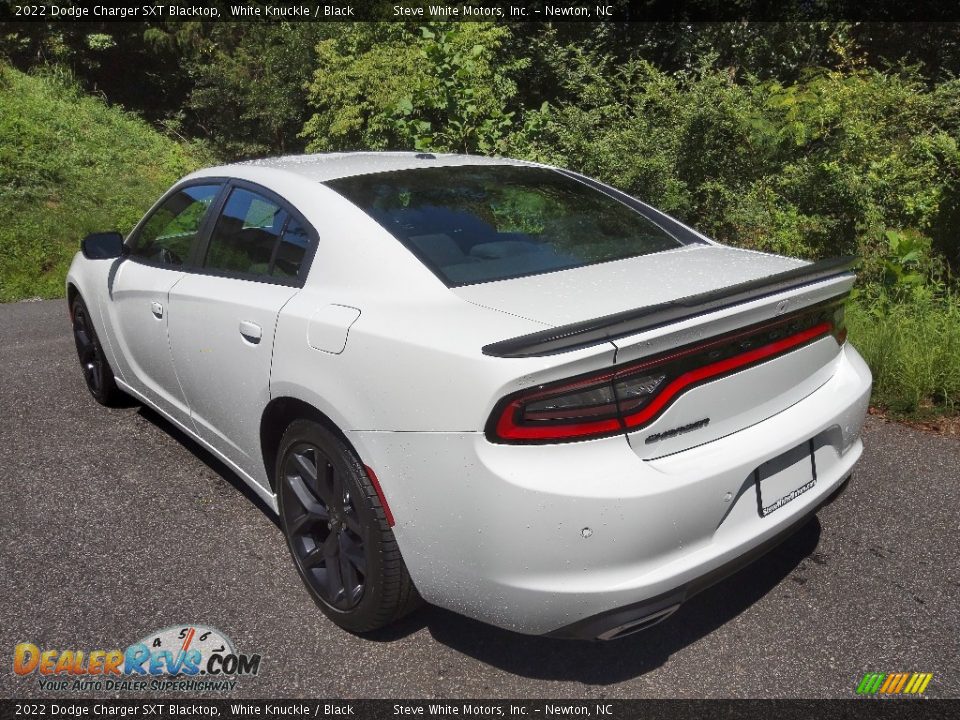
568	411
634	395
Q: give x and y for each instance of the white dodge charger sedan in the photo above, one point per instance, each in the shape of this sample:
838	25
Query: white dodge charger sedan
501	387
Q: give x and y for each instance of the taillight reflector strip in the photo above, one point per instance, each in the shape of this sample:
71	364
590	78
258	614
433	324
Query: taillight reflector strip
375	481
723	367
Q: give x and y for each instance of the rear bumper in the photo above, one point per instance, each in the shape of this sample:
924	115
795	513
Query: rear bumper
578	539
620	622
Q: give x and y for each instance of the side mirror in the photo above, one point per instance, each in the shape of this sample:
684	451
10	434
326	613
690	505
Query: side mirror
103	246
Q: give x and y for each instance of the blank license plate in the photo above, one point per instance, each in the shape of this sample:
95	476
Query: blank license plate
785	478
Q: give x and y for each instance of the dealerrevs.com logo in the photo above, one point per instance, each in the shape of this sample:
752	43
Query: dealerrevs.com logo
182	658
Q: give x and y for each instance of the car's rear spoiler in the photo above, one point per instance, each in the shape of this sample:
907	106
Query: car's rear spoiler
629	322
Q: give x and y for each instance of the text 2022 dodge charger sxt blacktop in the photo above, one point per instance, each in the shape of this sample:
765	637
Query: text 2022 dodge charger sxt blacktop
504	388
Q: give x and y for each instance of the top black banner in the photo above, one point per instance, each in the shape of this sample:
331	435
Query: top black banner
484	11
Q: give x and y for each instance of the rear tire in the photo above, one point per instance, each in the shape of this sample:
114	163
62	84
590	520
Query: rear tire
337	531
97	372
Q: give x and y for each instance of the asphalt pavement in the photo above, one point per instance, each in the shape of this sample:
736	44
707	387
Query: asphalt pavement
115	525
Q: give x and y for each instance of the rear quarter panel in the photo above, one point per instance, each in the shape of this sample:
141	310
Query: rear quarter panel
410	364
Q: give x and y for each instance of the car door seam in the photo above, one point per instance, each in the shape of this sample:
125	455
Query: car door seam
273	342
173	361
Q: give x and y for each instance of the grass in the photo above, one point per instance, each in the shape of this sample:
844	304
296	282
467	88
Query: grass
69	165
913	350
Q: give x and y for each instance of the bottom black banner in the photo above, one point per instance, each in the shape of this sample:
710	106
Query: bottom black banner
473	709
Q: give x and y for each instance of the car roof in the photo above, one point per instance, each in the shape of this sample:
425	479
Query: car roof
321	167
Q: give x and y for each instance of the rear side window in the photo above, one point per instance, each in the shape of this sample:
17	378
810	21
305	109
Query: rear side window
256	236
168	234
472	224
291	250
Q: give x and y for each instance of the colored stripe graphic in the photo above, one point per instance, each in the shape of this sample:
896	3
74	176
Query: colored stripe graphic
870	683
901	681
927	677
889	682
894	683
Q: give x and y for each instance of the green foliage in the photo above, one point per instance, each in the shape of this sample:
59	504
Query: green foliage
813	168
906	323
248	96
70	165
121	62
361	77
913	349
908	268
461	107
442	87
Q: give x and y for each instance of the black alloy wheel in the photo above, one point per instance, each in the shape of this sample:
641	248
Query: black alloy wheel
325	533
96	369
337	531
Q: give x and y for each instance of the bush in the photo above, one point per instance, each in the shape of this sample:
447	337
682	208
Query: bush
913	350
818	167
386	86
70	165
907	326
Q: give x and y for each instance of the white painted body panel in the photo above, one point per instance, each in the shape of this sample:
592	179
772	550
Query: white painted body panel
225	375
585	293
329	327
140	336
380	346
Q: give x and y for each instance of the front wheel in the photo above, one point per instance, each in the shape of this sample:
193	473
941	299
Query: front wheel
96	370
337	531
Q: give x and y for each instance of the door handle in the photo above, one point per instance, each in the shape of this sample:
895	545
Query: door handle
156	308
250	331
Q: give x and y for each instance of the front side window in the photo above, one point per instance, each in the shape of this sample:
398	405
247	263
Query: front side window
256	236
472	224
168	234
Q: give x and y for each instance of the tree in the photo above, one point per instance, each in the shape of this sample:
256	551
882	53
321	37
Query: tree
443	87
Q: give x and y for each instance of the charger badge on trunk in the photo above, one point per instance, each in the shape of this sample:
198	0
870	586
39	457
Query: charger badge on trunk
667	434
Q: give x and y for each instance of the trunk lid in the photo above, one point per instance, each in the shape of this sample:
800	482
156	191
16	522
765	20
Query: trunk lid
570	296
733	348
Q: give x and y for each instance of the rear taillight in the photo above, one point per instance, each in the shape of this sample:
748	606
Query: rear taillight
566	411
634	395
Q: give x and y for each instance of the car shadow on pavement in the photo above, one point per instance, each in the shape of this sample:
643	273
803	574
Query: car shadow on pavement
217	466
603	663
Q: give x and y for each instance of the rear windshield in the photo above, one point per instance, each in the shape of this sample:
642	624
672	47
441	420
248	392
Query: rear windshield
473	224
